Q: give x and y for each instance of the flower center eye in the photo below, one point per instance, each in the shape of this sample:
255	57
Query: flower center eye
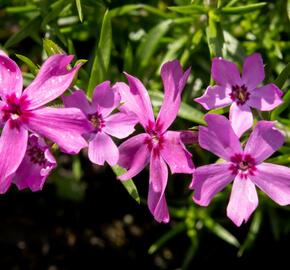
239	94
36	155
97	121
155	139
13	108
243	165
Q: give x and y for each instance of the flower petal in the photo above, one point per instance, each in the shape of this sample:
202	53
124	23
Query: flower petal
102	148
174	81
208	180
225	73
13	143
34	168
253	71
78	99
105	98
136	99
274	180
175	154
189	136
219	137
63	126
241	118
51	81
134	155
157	184
120	125
11	81
264	141
266	98
243	200
215	97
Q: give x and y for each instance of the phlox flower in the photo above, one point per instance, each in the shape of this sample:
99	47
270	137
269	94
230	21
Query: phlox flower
103	123
242	92
245	167
157	145
21	112
36	165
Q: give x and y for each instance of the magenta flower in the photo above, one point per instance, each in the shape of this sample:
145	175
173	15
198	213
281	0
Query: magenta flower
157	146
119	125
23	112
241	92
245	167
35	166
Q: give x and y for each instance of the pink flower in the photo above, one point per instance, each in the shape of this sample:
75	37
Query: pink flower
245	167
103	123
241	92
23	112
35	166
157	146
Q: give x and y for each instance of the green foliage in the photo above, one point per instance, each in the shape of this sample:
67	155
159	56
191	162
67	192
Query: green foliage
102	55
128	184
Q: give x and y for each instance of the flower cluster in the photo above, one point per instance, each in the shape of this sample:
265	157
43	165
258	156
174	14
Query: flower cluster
30	127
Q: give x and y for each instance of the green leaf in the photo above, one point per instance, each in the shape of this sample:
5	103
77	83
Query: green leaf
214	35
31	27
34	68
285	129
283	76
119	11
128	58
219	111
275	114
189	9
232	3
189	255
81	61
70	188
150	42
77	168
221	232
55	9
173	48
282	160
243	9
186	112
252	234
51	47
232	48
21	9
71	48
102	55
179	228
79	8
128	184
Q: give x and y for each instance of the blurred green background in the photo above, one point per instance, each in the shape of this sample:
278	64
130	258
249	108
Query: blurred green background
84	218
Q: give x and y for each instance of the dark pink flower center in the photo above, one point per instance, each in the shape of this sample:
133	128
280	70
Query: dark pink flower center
15	109
239	94
155	142
243	165
36	155
97	121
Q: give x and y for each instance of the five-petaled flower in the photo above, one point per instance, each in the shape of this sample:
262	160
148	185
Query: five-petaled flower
21	112
240	91
103	123
35	166
157	146
245	167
